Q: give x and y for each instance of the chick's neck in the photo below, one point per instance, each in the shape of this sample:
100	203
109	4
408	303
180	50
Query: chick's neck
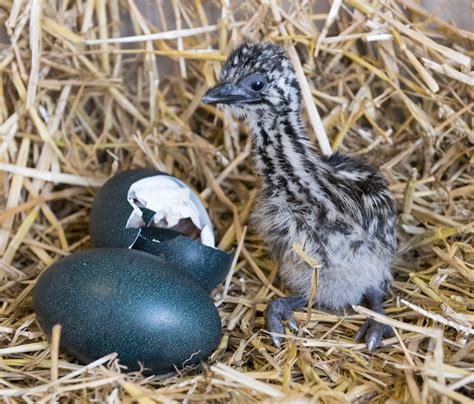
282	153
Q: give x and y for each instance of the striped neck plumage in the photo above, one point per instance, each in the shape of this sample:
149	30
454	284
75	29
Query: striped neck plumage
281	149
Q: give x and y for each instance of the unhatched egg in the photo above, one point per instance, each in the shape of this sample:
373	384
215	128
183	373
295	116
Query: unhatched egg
129	302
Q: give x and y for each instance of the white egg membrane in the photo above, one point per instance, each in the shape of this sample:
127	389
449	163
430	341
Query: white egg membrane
172	200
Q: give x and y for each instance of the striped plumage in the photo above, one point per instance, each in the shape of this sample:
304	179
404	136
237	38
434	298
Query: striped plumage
338	208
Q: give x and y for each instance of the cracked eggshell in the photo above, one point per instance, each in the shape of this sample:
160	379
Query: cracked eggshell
208	266
115	300
111	212
174	204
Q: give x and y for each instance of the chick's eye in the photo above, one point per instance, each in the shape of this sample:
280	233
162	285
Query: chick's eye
257	85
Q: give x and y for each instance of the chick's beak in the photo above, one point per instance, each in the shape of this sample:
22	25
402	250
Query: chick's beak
227	93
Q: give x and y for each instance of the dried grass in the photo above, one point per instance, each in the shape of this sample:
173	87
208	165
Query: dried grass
391	83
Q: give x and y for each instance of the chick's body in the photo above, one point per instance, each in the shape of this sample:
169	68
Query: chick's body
349	228
338	208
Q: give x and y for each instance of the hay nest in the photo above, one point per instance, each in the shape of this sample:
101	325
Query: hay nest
384	80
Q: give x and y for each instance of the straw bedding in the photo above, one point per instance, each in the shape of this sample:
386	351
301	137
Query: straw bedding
384	80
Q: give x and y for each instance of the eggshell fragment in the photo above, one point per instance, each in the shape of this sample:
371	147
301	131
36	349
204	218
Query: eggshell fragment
208	266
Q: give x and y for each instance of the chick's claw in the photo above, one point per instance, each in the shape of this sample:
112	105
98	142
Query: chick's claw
280	312
373	332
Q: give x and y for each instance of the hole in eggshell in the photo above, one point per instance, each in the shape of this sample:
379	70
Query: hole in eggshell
172	204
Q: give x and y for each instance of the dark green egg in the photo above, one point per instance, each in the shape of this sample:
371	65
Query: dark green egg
129	302
107	225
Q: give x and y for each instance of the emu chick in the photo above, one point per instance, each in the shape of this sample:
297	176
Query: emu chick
338	208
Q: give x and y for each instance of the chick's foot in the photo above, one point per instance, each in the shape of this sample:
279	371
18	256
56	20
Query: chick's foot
279	311
373	332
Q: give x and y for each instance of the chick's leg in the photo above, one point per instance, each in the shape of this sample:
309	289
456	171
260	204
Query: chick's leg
371	330
281	309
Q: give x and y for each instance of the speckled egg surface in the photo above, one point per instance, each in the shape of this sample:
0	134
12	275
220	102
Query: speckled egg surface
129	302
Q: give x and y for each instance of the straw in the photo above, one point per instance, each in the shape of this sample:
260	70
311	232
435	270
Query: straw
91	88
